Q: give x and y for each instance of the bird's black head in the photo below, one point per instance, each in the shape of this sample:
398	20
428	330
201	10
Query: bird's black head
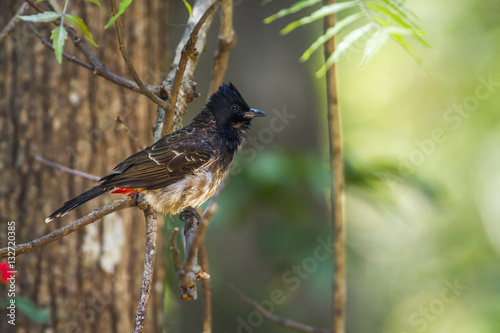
232	114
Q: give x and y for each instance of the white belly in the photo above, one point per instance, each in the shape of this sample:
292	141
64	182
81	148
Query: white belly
192	191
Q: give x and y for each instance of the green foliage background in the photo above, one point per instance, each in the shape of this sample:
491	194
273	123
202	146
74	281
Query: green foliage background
423	182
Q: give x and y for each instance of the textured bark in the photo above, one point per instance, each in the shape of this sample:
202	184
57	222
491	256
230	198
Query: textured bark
89	280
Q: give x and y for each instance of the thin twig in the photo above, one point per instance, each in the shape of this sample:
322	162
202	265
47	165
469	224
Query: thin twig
13	21
207	288
127	131
337	186
149	263
96	66
65	169
78	224
227	39
175	249
186	54
278	320
50	46
123	49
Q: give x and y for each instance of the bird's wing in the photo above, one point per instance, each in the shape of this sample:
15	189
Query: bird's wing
165	162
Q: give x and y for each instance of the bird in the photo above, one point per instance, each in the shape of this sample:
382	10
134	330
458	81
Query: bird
182	169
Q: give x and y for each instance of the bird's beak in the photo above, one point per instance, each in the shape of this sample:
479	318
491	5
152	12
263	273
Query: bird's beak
254	113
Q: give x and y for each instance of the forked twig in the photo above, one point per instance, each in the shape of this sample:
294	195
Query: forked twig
186	54
123	49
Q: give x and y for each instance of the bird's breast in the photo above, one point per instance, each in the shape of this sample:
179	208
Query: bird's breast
192	191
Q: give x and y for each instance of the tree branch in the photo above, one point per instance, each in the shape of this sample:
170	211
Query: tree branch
149	263
123	49
12	23
186	53
227	39
278	320
337	187
96	66
78	224
65	169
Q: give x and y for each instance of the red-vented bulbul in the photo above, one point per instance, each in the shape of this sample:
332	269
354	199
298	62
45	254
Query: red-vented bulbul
186	167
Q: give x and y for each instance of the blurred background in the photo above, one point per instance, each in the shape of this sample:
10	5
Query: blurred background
422	155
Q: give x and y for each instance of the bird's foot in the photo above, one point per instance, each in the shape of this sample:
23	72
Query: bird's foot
188	214
141	201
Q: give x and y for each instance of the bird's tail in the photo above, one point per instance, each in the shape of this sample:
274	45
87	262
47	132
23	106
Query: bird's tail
81	199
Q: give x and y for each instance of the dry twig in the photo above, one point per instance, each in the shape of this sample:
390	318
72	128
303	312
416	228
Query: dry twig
78	224
95	64
186	53
227	39
123	49
65	169
277	319
149	263
13	21
337	186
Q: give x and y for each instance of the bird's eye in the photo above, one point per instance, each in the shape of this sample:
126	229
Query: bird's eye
235	107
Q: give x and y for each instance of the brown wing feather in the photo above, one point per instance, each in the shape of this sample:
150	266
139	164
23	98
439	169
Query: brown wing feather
167	161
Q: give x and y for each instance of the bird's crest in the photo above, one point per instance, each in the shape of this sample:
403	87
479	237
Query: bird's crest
226	94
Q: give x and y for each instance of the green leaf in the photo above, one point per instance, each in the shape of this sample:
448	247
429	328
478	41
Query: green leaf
78	23
373	45
58	35
320	13
347	43
329	33
400	7
42	17
96	2
293	9
189	8
404	44
37	1
121	9
31	310
402	12
400	20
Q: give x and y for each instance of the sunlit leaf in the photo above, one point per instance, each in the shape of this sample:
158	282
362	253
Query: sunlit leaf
329	33
373	45
293	9
189	8
398	19
404	10
96	2
320	13
346	43
42	17
78	23
58	36
121	9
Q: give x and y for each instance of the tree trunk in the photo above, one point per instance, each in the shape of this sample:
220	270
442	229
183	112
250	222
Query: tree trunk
89	280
